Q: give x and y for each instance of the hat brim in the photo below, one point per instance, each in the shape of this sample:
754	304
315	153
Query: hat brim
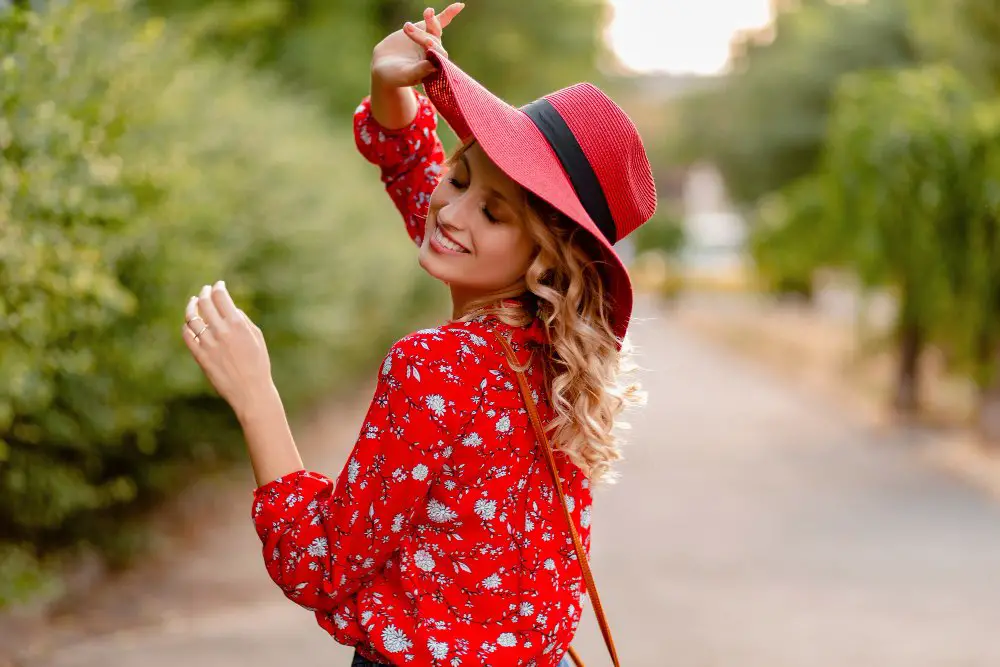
512	141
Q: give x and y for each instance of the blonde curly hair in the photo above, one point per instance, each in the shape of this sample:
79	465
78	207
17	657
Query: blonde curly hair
590	382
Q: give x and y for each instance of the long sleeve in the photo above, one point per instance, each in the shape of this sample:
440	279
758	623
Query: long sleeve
322	539
411	159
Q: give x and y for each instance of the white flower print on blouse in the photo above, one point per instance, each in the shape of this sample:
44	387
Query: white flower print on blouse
439	513
423	560
570	503
395	640
439	650
503	424
317	547
486	509
436	403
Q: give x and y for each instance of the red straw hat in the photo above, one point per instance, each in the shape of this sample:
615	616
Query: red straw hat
574	148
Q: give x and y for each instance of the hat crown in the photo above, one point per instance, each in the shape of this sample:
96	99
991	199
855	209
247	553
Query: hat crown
614	149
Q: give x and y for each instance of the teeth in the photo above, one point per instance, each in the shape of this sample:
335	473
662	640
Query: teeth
446	242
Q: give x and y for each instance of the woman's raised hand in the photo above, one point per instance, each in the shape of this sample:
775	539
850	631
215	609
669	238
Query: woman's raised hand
229	348
400	60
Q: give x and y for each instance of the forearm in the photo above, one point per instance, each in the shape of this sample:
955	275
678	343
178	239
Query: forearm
269	438
392	107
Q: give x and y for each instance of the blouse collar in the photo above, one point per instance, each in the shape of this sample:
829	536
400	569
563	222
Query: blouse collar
533	333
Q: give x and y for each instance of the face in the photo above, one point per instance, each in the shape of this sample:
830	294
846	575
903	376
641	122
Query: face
476	240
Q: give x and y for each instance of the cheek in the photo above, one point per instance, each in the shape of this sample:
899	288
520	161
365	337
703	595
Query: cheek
437	194
438	198
509	248
435	203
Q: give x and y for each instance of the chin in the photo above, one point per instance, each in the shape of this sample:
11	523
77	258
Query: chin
432	265
438	269
426	260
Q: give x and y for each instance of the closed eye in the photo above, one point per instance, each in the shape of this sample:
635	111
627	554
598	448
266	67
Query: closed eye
454	182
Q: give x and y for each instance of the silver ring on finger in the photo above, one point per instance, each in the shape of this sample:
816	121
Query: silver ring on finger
196	317
203	330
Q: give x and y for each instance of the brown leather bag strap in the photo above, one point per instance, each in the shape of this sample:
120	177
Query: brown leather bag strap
581	555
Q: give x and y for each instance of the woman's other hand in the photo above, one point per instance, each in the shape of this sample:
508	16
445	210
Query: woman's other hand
229	348
400	60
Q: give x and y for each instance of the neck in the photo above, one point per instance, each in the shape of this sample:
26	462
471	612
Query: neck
463	301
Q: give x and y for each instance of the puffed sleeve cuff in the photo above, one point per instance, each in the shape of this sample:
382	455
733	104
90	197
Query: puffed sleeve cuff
277	503
390	148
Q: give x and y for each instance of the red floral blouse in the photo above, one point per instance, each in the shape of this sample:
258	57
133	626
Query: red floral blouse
440	543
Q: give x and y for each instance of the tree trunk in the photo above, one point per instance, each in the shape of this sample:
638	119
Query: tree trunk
911	345
988	412
988	419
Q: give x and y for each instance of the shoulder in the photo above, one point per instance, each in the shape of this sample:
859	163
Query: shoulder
444	369
452	341
455	352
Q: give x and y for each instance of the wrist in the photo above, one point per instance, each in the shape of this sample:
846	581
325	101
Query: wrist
380	88
376	82
258	403
393	107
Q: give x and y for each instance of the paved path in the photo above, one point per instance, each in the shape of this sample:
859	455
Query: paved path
754	527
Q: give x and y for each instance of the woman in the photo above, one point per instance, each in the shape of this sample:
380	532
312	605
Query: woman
442	542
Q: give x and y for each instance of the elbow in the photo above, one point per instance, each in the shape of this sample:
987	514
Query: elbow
306	592
315	589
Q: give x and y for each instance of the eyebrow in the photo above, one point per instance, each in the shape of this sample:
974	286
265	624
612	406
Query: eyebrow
494	191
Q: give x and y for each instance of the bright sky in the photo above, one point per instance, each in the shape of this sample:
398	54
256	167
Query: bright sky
680	35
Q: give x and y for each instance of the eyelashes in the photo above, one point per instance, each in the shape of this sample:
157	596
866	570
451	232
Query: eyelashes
484	209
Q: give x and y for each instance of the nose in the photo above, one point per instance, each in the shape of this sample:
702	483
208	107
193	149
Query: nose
445	215
455	212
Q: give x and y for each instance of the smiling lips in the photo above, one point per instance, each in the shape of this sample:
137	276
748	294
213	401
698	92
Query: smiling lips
446	242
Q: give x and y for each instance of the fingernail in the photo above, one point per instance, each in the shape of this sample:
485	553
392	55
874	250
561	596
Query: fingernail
408	26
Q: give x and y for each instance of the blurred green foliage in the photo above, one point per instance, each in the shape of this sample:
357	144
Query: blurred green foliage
863	137
788	241
132	172
519	51
898	165
764	124
964	33
664	232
